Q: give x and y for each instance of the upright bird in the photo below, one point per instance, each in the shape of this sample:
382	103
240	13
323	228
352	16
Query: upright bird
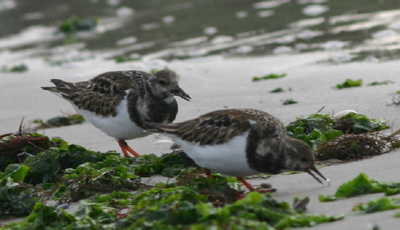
240	142
119	102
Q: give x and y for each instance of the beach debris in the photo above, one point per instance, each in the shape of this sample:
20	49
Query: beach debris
63	206
277	90
349	83
68	173
269	76
346	136
14	69
289	102
350	147
17	199
378	205
127	58
343	113
300	205
23	141
178	207
380	83
75	24
362	185
68	119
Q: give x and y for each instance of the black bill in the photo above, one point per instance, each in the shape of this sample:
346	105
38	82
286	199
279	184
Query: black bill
314	169
179	92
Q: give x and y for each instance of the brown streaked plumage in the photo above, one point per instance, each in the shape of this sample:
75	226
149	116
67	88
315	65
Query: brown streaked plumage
240	142
119	102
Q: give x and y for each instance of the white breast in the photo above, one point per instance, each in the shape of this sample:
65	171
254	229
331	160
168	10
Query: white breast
120	127
228	159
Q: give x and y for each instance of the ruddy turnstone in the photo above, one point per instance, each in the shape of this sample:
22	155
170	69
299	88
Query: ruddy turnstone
240	142
120	102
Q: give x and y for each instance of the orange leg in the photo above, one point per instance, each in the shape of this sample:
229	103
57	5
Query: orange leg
125	149
207	172
248	186
244	182
251	188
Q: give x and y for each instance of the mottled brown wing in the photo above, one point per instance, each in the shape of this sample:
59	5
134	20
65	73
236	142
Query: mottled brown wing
217	127
102	94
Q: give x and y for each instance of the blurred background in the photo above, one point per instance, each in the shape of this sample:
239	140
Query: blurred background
64	31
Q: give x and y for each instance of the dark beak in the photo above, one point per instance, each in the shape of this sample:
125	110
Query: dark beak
179	92
314	169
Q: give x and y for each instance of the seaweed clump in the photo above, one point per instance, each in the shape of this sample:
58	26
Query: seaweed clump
351	137
68	119
350	147
362	185
103	184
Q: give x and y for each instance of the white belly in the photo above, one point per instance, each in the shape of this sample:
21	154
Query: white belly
228	159
120	127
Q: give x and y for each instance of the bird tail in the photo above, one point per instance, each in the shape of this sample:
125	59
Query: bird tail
153	127
172	128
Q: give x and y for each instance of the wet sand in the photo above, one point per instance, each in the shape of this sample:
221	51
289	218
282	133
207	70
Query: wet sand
216	83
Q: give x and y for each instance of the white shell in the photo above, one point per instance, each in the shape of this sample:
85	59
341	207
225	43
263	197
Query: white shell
163	142
344	113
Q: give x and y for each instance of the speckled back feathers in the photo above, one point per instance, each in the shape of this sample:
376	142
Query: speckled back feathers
220	126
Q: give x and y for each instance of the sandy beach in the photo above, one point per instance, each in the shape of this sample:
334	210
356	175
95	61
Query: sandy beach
216	82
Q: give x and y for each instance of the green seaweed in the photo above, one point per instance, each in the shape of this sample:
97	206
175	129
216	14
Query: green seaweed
349	83
103	183
16	199
124	58
277	90
380	83
15	69
75	24
59	121
168	165
314	130
317	129
178	207
269	76
361	185
381	204
362	124
187	209
289	102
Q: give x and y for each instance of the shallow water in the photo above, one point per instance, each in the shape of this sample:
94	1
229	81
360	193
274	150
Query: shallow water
369	29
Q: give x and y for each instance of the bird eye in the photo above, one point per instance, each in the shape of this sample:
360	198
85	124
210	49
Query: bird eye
304	159
163	82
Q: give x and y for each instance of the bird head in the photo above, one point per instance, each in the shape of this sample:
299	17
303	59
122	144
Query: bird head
301	157
164	85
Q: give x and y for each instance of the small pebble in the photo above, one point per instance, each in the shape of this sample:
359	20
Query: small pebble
63	206
328	182
265	185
